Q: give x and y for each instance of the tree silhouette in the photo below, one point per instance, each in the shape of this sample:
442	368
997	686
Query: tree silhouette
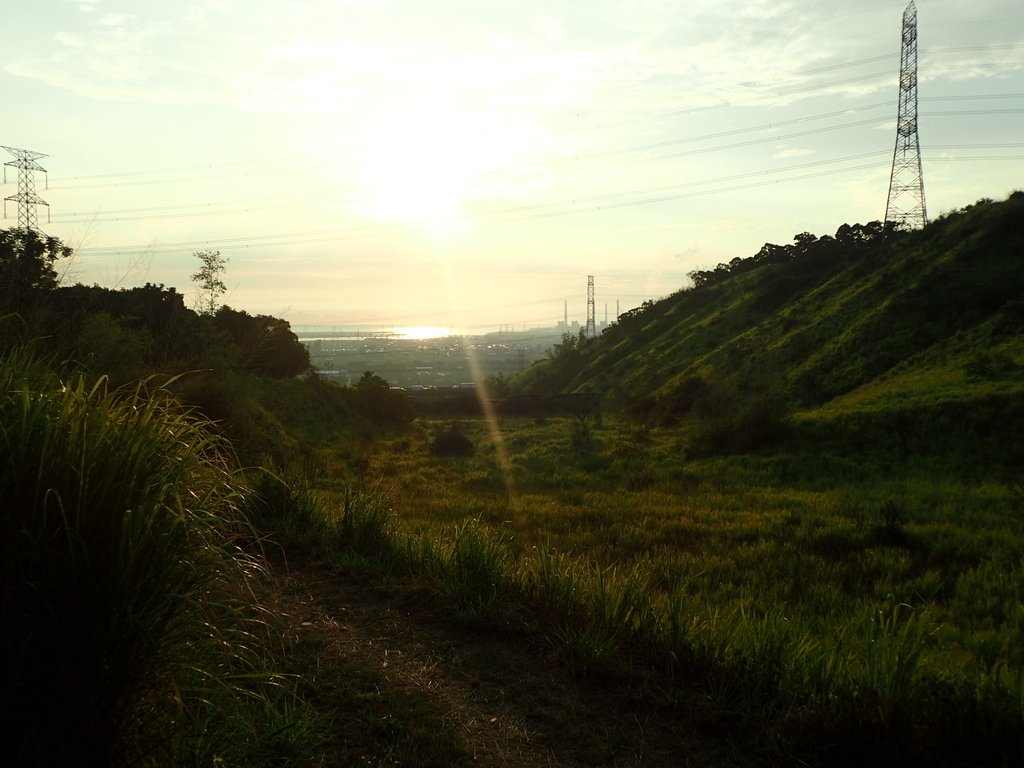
208	279
27	267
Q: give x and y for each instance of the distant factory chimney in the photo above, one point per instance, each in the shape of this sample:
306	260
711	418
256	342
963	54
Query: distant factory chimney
591	319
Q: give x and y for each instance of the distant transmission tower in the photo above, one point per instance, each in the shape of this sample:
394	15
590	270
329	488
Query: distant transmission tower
27	199
905	205
591	318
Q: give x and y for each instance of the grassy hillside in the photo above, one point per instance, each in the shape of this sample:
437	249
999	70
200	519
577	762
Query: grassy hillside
870	319
849	597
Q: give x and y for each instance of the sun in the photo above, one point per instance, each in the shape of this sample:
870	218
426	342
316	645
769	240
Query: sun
421	167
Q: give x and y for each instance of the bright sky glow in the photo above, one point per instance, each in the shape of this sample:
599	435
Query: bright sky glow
422	332
454	163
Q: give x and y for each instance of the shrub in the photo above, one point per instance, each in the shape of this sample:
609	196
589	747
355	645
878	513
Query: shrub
452	442
366	525
126	633
890	526
740	424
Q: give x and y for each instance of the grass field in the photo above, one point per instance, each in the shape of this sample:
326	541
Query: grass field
797	588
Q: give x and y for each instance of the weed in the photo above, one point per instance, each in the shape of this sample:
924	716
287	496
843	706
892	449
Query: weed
366	525
1015	490
478	576
285	503
127	619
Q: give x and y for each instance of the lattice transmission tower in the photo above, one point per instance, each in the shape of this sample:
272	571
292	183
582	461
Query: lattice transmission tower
905	204
591	315
27	199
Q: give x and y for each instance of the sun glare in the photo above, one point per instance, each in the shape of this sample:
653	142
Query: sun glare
420	167
423	332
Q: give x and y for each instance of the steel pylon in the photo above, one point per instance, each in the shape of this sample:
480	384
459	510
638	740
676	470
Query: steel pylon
905	205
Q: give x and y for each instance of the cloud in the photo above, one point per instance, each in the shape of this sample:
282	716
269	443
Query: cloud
112	20
785	154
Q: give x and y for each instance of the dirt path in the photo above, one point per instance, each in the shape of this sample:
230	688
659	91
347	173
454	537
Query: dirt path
391	669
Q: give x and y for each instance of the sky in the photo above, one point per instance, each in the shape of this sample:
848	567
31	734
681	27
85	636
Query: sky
468	163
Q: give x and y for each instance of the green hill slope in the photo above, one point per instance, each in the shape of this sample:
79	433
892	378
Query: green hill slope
864	318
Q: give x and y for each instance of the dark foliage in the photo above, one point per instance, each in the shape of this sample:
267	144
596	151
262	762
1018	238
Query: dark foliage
27	267
849	240
266	345
814	320
452	442
685	396
124	333
728	422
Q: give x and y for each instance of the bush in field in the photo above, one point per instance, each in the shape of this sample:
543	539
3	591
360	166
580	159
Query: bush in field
729	422
366	525
452	442
890	526
127	635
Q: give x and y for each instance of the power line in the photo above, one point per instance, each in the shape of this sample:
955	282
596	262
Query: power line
648	195
117	215
290	159
321	236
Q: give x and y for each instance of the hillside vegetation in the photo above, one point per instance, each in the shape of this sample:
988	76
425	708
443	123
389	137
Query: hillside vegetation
871	321
773	519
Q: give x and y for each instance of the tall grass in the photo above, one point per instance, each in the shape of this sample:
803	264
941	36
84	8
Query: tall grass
883	685
589	614
477	574
127	632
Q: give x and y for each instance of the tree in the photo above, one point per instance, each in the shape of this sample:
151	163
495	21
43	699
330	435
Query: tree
27	267
208	279
266	344
634	317
570	346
